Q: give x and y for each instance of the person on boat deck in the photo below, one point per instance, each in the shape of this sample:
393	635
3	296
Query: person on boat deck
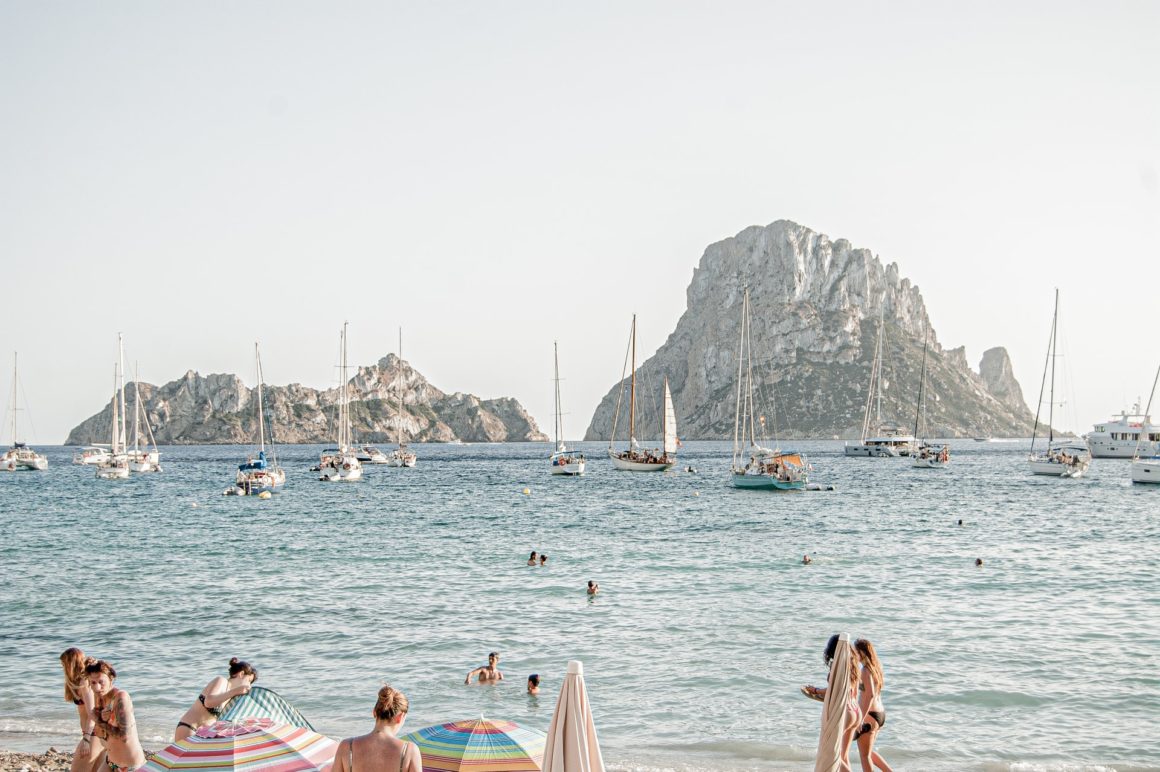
381	750
113	719
215	698
487	674
90	751
532	559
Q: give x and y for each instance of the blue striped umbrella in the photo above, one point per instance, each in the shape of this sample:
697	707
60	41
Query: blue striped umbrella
479	745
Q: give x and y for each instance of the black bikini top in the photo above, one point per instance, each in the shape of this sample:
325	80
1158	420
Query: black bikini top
214	711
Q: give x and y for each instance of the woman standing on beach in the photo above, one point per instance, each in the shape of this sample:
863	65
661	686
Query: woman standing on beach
90	751
113	716
870	705
381	750
215	698
839	706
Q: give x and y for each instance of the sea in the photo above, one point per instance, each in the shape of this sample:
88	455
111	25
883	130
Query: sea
1047	657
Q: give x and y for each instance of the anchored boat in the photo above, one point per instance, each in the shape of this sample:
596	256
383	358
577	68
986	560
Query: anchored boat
634	458
563	461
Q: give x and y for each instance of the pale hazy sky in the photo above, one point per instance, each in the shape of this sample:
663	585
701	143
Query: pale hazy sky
495	175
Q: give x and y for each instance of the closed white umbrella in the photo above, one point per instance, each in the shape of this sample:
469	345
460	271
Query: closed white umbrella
572	745
829	758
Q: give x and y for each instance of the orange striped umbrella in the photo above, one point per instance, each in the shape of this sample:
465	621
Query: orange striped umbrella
251	744
479	745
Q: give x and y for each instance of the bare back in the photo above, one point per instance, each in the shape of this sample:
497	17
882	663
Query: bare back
377	753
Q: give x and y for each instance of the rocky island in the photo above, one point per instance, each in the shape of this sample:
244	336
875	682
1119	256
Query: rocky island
220	409
816	306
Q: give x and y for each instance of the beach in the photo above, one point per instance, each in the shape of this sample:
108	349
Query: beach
706	625
51	760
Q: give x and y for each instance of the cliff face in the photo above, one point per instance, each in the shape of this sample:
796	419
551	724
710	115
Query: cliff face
221	409
815	305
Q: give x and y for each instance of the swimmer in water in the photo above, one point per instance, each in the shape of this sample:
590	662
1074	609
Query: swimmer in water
593	587
806	559
487	674
979	562
543	559
533	684
532	559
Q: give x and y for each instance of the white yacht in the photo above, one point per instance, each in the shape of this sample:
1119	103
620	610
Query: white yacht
341	464
20	456
116	465
1058	459
1146	459
92	455
635	458
563	462
369	454
402	456
1118	437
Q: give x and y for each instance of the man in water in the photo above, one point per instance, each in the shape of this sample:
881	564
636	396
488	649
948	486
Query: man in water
806	559
489	673
593	587
533	684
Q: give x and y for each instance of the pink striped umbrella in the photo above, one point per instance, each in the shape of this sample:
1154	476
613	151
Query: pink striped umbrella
251	744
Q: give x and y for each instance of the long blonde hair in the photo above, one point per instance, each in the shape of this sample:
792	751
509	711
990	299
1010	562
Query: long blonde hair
870	661
74	662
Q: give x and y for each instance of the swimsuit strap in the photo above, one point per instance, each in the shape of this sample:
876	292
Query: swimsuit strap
350	754
403	755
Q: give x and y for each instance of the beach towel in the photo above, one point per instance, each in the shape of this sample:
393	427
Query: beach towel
834	709
265	703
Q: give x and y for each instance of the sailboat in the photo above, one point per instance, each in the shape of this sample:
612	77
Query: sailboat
563	461
20	456
341	464
142	460
1146	468
259	474
1059	460
401	456
633	458
116	466
926	455
767	468
876	440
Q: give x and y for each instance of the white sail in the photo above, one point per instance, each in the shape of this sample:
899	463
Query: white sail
670	422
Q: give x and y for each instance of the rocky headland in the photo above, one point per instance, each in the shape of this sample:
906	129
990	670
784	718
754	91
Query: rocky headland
221	409
815	308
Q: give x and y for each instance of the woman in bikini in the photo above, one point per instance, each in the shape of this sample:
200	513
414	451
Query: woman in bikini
90	751
849	705
381	750
215	698
113	720
872	712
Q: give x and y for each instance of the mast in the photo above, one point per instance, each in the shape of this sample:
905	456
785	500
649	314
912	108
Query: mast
1051	398
740	358
124	411
113	438
399	417
136	408
878	380
920	408
559	427
342	406
261	412
632	392
14	361
1146	423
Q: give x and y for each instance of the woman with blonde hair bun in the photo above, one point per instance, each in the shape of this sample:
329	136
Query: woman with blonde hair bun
381	750
90	751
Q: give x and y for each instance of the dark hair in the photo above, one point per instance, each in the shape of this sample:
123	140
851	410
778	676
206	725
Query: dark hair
831	649
237	666
591	583
492	655
391	703
100	666
534	679
533	555
543	556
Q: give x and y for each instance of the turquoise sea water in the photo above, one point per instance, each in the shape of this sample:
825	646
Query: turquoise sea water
1046	658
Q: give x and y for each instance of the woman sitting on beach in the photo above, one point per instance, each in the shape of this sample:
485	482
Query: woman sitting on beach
215	698
113	718
381	750
90	751
870	703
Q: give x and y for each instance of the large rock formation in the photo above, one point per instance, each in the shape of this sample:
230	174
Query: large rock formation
815	310
221	409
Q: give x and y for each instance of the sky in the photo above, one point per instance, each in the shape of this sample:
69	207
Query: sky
495	176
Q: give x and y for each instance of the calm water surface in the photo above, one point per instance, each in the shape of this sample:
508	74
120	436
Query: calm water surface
1044	659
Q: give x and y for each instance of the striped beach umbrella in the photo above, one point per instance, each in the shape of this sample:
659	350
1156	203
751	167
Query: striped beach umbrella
251	744
479	745
264	703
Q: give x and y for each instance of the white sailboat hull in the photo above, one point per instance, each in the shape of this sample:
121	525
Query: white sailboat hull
928	463
347	470
113	471
567	463
575	469
857	449
623	463
1146	470
1052	468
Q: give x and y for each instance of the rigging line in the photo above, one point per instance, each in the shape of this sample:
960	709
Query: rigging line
1043	380
620	395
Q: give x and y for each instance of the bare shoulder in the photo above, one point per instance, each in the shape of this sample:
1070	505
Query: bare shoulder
414	758
218	684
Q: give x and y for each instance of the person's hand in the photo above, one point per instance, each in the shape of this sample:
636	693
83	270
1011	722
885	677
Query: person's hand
245	688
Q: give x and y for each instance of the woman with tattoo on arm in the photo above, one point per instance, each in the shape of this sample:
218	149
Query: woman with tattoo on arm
113	718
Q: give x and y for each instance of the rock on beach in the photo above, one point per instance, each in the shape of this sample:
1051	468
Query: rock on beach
52	759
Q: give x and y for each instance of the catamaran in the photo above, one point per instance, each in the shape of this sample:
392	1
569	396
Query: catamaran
259	474
884	441
401	456
116	467
926	455
563	461
142	459
20	456
341	464
1146	461
767	468
1070	459
633	458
